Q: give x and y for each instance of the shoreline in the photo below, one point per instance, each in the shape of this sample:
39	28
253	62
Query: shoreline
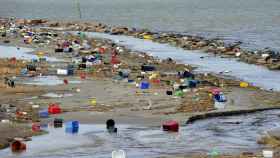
131	61
265	57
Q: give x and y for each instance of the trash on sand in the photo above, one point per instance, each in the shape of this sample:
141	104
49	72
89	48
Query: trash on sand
5	121
172	126
72	127
220	97
215	91
179	93
244	84
93	101
62	72
219	105
145	85
169	93
65	81
36	127
54	109
267	153
148	68
213	154
18	146
43	113
118	154
110	125
35	106
58	123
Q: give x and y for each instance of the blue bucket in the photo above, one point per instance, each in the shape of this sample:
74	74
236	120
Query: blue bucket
145	85
72	130
72	124
220	98
72	127
44	114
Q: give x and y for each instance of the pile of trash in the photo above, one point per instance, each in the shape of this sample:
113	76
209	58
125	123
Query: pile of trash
266	57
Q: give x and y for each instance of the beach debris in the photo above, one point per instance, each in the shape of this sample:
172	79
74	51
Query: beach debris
36	127
171	125
72	127
44	113
18	146
267	153
58	122
93	101
144	85
213	153
54	108
110	125
244	84
118	154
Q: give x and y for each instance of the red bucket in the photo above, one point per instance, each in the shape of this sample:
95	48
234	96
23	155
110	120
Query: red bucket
65	81
172	126
54	109
36	127
18	146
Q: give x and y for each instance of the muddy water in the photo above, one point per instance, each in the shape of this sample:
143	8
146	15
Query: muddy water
257	75
233	135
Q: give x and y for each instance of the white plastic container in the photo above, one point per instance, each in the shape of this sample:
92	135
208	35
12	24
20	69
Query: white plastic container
118	154
62	72
267	154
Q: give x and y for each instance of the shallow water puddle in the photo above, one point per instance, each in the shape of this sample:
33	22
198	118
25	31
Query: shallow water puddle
21	53
221	134
256	75
55	95
47	81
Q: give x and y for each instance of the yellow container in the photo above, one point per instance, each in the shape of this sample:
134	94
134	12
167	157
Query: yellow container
93	101
244	84
40	54
148	37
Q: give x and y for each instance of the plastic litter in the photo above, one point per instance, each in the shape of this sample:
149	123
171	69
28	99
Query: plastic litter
44	114
148	68
54	109
62	72
169	93
93	101
267	153
72	127
110	125
172	126
36	127
18	146
244	84
118	154
58	123
145	85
